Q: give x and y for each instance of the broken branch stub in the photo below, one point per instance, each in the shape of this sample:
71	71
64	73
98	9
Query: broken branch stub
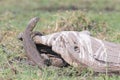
80	49
29	46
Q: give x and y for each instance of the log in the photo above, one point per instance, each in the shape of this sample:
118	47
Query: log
79	49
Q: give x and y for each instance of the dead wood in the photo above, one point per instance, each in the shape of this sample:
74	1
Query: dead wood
54	58
29	45
80	49
40	54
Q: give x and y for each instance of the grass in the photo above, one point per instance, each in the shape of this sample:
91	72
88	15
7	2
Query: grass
15	14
